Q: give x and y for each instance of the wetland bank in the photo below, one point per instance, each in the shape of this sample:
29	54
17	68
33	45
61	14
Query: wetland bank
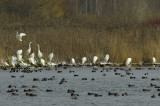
79	52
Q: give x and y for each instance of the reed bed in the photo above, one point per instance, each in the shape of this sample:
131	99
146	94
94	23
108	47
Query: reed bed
66	42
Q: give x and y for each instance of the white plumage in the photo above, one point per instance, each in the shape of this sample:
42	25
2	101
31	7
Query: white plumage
154	60
6	64
29	49
95	58
106	58
22	64
73	61
84	59
19	52
42	62
19	36
128	61
32	60
39	52
50	57
19	57
14	61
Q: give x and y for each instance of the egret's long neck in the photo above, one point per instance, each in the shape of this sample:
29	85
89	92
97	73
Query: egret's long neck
38	48
17	33
30	45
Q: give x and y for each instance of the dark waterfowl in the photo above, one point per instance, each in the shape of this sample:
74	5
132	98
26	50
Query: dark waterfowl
30	94
49	90
35	79
146	90
97	95
14	94
131	85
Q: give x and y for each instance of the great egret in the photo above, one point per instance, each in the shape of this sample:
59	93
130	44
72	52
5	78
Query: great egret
154	60
95	59
19	52
6	64
84	59
73	61
19	57
39	52
51	64
29	49
19	36
128	61
106	58
14	61
50	57
32	60
42	62
22	64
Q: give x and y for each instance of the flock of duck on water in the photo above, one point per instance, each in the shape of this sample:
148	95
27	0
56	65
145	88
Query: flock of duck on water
32	61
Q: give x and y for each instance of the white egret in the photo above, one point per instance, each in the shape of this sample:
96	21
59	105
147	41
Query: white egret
19	57
39	52
51	64
106	58
32	55
128	61
32	60
42	62
95	58
19	36
22	64
154	60
29	49
6	64
50	57
84	59
73	61
19	52
14	61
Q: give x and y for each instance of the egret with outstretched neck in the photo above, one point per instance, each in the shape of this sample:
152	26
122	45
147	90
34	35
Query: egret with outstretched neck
29	49
39	52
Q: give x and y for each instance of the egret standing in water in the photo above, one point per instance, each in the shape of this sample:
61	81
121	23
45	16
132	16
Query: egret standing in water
73	61
19	36
153	60
29	49
42	62
50	57
14	61
128	61
19	55
39	52
95	58
84	59
106	58
32	60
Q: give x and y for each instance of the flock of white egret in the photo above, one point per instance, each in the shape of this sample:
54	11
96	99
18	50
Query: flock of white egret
32	61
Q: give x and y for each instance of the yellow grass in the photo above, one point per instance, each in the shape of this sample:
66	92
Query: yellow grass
66	42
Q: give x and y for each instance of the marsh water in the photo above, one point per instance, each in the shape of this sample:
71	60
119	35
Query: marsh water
100	81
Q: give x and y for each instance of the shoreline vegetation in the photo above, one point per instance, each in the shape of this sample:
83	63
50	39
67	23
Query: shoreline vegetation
70	33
